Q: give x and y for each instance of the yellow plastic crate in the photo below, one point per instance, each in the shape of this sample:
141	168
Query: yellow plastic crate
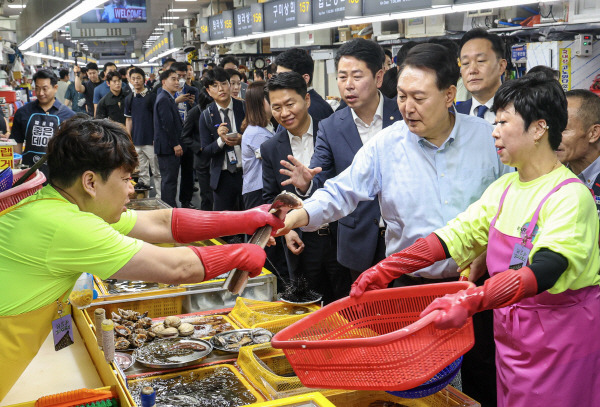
142	302
303	400
248	313
278	324
448	397
199	374
267	368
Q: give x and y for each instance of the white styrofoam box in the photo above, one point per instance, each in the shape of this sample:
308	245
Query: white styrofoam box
575	72
317	37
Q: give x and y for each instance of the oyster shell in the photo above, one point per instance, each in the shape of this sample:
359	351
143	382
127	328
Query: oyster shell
172	322
138	340
186	329
121	343
122	330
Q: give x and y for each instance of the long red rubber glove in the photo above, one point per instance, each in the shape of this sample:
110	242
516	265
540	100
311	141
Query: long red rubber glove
190	225
221	259
503	289
422	253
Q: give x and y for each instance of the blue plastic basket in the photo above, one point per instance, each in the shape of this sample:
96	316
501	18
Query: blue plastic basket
6	179
433	385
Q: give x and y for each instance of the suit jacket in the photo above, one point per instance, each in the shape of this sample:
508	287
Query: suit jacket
465	107
207	127
336	145
167	124
272	152
190	135
319	109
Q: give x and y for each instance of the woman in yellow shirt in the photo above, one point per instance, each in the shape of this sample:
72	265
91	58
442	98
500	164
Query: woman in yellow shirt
540	230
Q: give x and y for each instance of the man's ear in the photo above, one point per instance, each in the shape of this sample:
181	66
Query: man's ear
89	183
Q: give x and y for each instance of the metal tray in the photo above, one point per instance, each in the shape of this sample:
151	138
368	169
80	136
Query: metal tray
124	360
301	303
147	354
217	346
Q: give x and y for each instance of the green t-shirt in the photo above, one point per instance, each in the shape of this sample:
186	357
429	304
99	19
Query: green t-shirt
567	224
49	242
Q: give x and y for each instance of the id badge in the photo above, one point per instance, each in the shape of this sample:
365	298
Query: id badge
62	329
232	157
519	258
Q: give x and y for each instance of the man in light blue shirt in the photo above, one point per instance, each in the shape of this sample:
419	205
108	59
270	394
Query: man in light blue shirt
102	90
424	170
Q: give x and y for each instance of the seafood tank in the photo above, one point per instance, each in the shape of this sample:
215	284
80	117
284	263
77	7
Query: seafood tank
196	389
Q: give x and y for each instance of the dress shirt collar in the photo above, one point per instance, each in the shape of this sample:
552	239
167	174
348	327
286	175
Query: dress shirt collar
56	105
309	131
589	175
142	93
476	104
378	113
453	134
229	106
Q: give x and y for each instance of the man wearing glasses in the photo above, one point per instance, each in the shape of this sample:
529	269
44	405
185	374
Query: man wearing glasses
219	135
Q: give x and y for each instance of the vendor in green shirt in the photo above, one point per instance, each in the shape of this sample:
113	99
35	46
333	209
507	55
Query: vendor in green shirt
79	223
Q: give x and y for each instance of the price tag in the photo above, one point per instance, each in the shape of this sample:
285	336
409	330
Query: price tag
62	331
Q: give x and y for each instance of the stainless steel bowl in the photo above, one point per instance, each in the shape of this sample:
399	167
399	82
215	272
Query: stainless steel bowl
150	354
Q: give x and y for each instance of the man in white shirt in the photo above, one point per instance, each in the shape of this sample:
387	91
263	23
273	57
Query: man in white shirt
482	65
311	255
63	85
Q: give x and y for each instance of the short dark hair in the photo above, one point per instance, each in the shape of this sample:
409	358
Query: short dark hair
589	111
403	52
168	60
136	69
92	65
259	74
233	72
255	111
228	59
367	51
389	85
214	75
297	60
450	45
497	44
109	76
536	97
63	73
45	74
434	57
211	64
544	71
179	66
84	69
85	144
389	54
166	73
288	80
106	65
122	71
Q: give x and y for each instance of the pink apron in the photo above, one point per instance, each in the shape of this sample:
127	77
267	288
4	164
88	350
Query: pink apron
547	346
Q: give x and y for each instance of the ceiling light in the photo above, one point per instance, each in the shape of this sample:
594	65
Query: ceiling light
185	0
165	23
17	5
171	17
59	21
178	10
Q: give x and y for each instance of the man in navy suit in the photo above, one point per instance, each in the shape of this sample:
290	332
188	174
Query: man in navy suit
359	69
299	60
219	125
167	134
482	65
316	251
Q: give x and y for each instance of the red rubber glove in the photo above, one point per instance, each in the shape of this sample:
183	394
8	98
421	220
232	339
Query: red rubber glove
190	225
503	289
221	259
422	253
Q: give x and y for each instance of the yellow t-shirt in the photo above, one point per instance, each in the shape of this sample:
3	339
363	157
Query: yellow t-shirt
567	224
48	243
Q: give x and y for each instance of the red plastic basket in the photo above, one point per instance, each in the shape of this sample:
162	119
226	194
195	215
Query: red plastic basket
375	342
12	196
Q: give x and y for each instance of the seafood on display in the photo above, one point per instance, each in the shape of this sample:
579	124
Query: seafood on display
232	341
132	329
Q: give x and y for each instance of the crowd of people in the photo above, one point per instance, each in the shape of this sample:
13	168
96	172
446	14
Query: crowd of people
399	181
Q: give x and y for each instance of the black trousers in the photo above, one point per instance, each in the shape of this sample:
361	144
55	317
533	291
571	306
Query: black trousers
318	264
253	199
202	167
169	170
228	195
379	255
186	183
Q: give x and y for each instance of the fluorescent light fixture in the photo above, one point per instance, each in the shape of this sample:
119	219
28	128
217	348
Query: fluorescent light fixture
491	4
59	21
17	5
178	10
171	17
166	23
159	29
36	54
164	54
189	1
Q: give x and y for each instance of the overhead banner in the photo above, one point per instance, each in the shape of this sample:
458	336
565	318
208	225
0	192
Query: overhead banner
216	27
228	30
305	16
242	21
258	20
374	7
280	14
328	10
203	28
353	8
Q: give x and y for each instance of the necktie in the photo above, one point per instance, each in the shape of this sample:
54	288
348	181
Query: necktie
231	167
481	110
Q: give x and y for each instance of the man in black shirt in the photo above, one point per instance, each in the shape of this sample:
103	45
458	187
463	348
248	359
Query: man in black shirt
139	110
112	105
87	88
